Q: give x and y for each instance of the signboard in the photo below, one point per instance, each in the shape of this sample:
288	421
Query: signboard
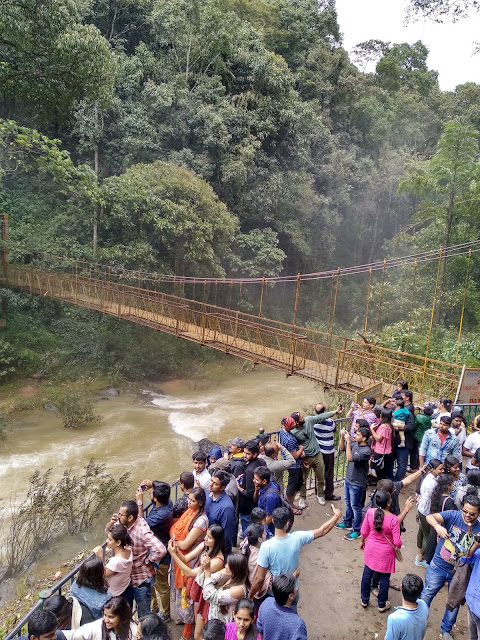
376	391
468	391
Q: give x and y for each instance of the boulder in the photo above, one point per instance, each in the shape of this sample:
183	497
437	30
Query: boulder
205	445
49	406
109	393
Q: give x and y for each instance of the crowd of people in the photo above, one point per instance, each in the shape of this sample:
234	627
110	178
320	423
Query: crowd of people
223	561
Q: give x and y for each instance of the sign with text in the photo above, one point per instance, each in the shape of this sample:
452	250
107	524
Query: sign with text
469	387
376	391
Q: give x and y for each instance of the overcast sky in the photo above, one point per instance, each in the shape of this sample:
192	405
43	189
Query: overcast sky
451	45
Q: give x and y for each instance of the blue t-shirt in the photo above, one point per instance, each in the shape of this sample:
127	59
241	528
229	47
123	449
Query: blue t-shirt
408	624
282	555
279	623
458	544
291	444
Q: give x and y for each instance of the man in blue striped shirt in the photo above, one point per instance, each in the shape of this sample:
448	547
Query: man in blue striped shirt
324	433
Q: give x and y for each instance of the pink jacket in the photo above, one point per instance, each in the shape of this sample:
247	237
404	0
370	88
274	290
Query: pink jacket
379	554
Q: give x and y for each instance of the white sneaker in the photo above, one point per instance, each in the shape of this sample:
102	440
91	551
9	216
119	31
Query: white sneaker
321	500
302	504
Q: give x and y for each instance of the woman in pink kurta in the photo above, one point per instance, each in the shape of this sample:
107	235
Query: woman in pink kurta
380	537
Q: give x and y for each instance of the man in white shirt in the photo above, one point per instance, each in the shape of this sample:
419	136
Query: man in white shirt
471	444
201	476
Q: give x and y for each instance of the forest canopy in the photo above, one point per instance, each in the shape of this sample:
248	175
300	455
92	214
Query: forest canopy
237	138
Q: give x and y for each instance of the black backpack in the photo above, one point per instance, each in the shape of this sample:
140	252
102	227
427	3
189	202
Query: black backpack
287	505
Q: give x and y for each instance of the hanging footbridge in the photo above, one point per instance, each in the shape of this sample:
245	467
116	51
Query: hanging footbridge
324	357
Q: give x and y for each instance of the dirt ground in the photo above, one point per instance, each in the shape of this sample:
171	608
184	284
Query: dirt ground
331	569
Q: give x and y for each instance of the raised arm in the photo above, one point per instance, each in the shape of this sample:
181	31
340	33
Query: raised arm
327	526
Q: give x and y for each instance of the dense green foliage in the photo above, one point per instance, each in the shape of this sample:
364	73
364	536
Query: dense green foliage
236	138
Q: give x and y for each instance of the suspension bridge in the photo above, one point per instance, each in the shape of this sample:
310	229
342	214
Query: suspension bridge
323	356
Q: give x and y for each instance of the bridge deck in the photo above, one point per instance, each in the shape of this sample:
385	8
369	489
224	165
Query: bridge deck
331	360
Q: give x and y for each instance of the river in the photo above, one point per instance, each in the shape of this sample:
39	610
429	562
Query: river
153	438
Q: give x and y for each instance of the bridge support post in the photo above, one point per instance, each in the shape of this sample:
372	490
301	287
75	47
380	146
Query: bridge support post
4	223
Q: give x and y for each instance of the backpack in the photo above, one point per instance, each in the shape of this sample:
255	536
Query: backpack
287	506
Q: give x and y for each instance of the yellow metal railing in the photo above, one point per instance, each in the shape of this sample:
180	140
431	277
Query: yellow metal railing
333	360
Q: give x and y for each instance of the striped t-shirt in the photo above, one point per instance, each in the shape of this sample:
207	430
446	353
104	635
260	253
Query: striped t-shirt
324	432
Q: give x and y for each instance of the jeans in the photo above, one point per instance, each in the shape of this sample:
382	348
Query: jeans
383	584
414	459
245	521
402	461
434	580
143	596
387	471
353	506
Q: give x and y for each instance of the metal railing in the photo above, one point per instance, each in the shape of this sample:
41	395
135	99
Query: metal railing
333	360
174	494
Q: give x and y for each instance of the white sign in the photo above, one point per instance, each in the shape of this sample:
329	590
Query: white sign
469	387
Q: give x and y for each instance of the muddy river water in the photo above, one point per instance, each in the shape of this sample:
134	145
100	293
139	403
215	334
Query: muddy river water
152	438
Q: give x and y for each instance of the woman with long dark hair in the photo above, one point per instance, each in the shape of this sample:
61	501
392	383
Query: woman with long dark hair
471	488
243	627
383	443
451	464
186	533
119	568
440	501
224	589
214	547
425	489
116	624
380	539
152	625
250	547
90	589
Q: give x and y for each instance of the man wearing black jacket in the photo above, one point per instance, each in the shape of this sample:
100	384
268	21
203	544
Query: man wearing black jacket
245	483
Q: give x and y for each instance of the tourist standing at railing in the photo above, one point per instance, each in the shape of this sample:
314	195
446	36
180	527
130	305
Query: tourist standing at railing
358	455
42	625
305	436
186	483
277	466
219	508
363	412
295	477
382	436
245	482
235	456
277	618
325	434
160	520
201	475
116	624
187	533
422	423
146	550
439	443
90	589
119	568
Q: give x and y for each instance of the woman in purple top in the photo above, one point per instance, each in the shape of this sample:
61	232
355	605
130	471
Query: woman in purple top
380	538
243	626
365	412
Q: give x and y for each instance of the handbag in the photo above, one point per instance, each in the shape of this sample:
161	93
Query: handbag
398	552
377	461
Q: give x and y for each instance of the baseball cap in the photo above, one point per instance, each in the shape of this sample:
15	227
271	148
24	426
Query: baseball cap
221	463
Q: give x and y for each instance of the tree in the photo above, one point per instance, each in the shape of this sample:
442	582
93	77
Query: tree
173	216
405	65
49	60
448	185
438	10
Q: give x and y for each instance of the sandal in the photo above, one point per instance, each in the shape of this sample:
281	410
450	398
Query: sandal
297	511
395	586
